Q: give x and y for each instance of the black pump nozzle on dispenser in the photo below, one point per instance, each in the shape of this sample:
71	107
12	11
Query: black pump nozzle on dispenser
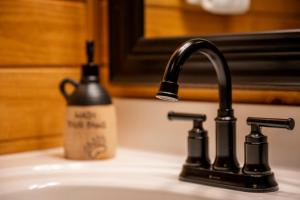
90	51
90	70
256	144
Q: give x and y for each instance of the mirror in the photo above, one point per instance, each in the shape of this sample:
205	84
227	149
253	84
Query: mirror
265	66
177	18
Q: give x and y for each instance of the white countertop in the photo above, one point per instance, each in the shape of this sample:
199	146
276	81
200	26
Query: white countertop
129	169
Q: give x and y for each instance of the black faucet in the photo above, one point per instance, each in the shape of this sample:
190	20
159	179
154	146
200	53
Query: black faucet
225	122
225	171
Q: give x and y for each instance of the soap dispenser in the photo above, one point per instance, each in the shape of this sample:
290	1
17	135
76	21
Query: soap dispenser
90	121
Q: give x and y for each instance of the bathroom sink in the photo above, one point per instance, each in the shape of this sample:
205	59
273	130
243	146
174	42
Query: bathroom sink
131	175
94	193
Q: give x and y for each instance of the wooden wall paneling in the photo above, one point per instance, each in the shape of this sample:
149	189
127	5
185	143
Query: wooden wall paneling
42	32
42	42
276	6
31	105
102	38
28	144
101	34
97	22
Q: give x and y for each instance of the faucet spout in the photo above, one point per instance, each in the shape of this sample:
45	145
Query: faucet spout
225	122
169	86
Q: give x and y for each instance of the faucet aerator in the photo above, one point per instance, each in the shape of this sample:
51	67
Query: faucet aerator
167	96
168	91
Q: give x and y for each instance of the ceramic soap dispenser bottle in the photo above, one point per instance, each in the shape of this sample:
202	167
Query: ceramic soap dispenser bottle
90	121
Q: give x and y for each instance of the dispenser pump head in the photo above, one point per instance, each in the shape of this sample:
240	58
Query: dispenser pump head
90	69
90	51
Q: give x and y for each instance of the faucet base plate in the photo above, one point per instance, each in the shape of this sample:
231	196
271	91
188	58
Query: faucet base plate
229	180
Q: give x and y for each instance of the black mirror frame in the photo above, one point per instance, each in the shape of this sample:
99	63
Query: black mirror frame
263	61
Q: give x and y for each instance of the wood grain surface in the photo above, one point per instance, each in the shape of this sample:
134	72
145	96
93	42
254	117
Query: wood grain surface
42	42
42	32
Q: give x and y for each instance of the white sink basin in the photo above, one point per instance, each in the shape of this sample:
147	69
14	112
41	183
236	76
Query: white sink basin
93	193
131	175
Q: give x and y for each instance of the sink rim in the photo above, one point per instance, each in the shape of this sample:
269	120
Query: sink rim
131	169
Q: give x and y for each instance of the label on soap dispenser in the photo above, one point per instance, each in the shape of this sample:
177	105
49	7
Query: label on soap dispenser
90	132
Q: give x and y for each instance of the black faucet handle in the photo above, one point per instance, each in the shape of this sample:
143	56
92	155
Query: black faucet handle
197	140
256	122
256	144
186	116
198	119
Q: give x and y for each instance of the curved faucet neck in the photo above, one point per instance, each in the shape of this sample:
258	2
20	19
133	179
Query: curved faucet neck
219	63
